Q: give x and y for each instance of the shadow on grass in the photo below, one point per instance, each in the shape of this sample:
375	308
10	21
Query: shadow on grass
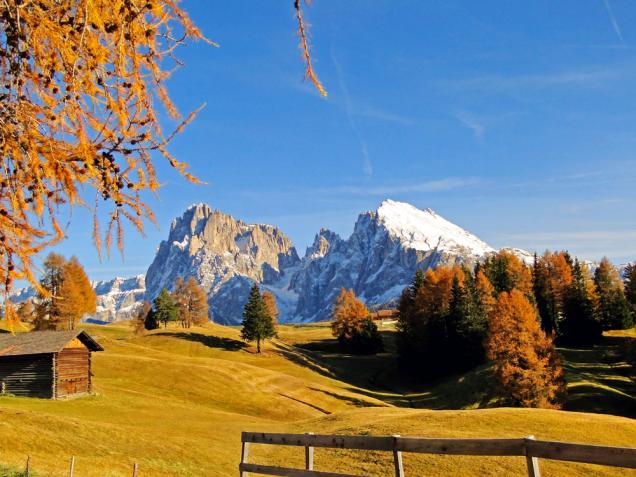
348	399
379	377
227	344
601	379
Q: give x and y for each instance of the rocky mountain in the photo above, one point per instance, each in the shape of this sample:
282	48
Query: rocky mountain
377	261
380	257
225	256
118	299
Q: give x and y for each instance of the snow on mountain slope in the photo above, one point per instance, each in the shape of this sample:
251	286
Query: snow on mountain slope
380	257
118	299
424	230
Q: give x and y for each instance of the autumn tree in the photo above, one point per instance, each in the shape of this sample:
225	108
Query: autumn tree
580	325
352	325
551	275
526	366
442	320
77	296
270	304
506	272
614	310
83	93
164	308
192	302
26	311
66	294
139	321
257	324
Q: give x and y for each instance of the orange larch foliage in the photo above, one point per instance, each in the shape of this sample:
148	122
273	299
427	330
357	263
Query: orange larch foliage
270	304
348	315
486	291
79	82
435	294
82	83
526	366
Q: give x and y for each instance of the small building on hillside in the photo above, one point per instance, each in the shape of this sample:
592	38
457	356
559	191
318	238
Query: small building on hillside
46	364
384	316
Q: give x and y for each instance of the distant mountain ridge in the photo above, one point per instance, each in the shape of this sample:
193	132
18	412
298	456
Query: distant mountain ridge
226	256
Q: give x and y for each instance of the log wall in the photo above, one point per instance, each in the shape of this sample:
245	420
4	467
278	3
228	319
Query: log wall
72	372
29	375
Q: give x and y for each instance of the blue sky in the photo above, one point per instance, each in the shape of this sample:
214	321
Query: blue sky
514	119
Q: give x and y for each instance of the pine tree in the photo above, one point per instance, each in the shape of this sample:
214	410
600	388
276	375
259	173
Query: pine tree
139	322
630	286
164	308
47	309
150	321
526	366
468	323
614	309
270	304
580	326
507	272
257	323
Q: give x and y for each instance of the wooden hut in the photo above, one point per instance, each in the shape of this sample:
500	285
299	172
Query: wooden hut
46	364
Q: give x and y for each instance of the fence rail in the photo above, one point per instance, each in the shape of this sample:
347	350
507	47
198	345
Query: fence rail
527	447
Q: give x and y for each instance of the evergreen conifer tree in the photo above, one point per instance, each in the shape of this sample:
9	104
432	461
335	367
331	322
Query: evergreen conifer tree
257	323
580	326
630	286
164	307
614	310
150	321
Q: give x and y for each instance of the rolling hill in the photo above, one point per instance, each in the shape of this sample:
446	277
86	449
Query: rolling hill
176	401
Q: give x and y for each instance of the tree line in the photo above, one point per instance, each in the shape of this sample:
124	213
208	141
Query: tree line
64	296
452	319
186	303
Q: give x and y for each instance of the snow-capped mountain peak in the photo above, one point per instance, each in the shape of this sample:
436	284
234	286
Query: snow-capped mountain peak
425	230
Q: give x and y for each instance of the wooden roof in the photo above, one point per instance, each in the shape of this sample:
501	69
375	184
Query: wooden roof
39	342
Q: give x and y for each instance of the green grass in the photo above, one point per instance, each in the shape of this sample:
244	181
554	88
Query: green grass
176	402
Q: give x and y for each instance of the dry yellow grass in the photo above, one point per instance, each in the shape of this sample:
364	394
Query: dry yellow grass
176	401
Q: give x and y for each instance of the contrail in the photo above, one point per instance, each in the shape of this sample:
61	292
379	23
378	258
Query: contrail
612	18
367	167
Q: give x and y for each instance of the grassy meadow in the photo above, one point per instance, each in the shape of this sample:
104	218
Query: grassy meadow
176	401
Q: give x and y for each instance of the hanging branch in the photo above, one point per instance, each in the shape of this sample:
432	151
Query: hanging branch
304	48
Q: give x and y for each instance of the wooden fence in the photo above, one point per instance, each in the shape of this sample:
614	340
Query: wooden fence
527	447
28	471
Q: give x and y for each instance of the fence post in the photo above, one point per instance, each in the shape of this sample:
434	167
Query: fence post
135	469
71	470
27	470
245	450
532	462
397	458
309	455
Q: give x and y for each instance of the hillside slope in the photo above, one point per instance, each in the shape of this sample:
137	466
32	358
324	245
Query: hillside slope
176	401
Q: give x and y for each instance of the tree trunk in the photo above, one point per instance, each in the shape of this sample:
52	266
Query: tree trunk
258	346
